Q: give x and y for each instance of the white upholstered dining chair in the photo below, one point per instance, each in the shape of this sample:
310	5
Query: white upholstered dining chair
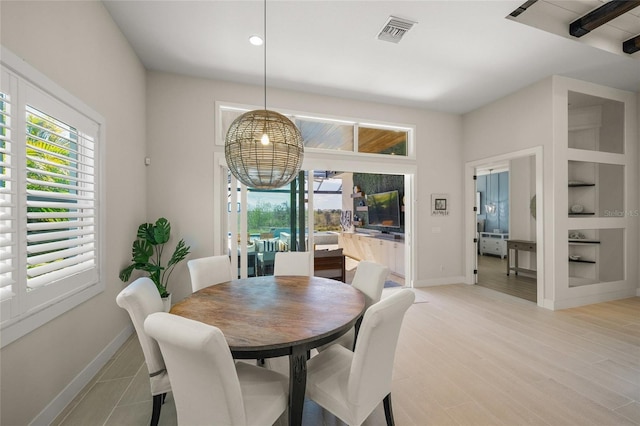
369	279
208	387
351	384
207	271
296	263
141	299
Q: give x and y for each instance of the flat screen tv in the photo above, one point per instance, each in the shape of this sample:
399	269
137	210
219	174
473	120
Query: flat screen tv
384	209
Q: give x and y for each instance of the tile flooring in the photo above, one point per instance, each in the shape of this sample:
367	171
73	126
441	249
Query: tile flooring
467	356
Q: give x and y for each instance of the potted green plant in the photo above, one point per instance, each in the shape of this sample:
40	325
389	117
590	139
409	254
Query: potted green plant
147	254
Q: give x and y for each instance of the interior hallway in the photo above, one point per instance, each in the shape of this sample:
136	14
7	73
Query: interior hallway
492	273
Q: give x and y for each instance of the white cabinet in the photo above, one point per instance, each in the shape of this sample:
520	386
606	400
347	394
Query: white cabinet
398	254
493	243
380	250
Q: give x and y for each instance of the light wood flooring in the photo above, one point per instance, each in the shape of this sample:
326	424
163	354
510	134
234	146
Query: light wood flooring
492	273
467	355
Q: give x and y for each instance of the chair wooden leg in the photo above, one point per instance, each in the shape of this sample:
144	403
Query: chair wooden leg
388	412
158	400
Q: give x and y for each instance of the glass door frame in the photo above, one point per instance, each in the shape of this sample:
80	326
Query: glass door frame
344	162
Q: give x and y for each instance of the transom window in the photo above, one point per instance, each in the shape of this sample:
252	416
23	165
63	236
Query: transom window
338	135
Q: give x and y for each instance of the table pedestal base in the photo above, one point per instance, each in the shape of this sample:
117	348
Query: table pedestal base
297	384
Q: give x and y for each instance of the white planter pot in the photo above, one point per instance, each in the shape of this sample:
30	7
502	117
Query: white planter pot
167	303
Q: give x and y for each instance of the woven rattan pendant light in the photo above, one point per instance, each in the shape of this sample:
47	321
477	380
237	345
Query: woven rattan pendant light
264	148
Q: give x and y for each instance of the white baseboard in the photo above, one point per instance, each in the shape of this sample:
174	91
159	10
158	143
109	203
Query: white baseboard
439	281
591	299
64	398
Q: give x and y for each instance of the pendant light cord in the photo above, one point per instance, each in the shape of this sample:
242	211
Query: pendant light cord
265	55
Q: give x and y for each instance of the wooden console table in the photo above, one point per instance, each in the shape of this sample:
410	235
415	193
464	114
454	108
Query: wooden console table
516	246
329	264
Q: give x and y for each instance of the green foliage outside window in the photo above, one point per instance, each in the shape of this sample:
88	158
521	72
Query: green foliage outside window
49	157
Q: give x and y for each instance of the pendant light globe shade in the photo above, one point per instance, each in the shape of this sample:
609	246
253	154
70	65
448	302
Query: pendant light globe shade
264	162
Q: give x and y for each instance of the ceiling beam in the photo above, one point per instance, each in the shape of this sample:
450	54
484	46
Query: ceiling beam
601	16
632	45
522	8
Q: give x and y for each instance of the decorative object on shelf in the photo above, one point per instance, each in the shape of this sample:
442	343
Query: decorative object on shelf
577	208
147	251
490	207
532	207
263	148
345	220
356	189
439	204
574	257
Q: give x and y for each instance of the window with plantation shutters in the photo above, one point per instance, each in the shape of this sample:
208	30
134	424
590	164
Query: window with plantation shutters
60	200
50	220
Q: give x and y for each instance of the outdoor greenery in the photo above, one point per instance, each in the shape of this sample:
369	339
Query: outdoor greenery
49	164
327	220
266	216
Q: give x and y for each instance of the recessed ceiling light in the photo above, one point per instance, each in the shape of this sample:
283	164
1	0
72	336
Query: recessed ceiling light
256	40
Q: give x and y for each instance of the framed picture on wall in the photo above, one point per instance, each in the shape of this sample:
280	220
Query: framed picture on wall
439	204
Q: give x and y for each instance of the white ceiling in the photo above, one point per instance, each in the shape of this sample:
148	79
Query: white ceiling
459	56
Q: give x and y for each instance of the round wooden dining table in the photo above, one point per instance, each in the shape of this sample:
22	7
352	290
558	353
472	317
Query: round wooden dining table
271	316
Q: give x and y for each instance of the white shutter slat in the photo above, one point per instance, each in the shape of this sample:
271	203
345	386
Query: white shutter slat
43	280
57	195
7	239
6	267
78	179
60	254
6	255
71	169
64	267
6	281
54	205
39	226
48	236
59	215
85	188
79	159
59	245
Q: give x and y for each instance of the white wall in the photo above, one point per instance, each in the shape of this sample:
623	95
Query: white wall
537	116
181	131
517	122
77	45
521	189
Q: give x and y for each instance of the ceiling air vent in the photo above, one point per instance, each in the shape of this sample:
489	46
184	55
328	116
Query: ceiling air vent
394	29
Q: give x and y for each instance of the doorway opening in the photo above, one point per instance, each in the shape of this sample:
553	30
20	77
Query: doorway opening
390	250
506	253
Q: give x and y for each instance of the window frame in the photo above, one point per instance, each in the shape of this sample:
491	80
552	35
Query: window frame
410	129
27	312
